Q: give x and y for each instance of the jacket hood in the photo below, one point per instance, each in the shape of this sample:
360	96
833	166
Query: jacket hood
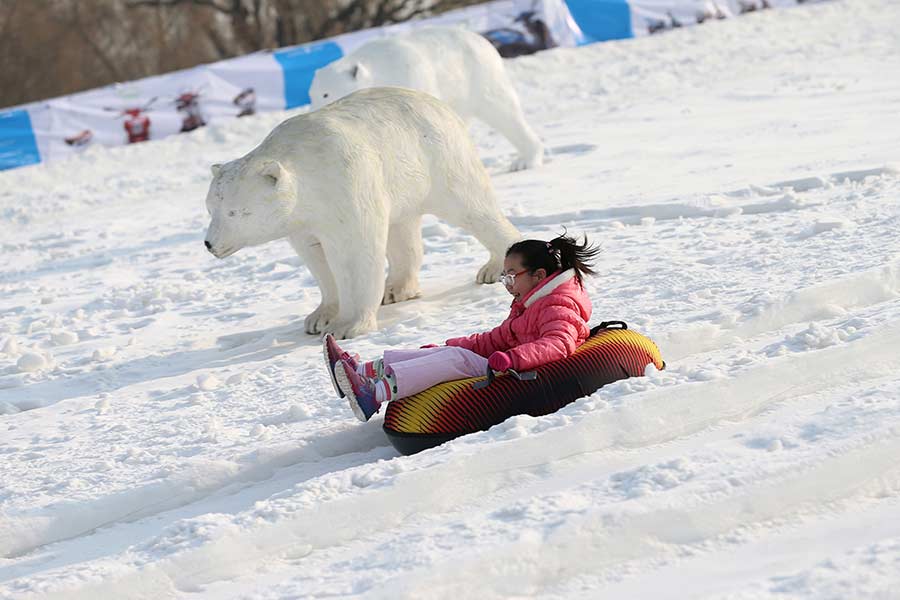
562	283
546	287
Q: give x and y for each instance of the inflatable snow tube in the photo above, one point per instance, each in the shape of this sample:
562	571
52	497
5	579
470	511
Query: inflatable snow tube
454	408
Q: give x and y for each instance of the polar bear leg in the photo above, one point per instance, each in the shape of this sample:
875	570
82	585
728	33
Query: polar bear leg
404	255
483	219
310	251
497	235
502	111
356	259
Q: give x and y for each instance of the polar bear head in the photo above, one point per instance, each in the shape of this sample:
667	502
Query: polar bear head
251	201
337	80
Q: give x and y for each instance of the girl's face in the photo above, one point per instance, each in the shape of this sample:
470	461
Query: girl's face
523	281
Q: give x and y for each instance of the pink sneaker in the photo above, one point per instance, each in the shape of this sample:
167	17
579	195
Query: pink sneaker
360	391
333	354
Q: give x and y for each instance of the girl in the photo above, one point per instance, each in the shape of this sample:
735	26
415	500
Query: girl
547	321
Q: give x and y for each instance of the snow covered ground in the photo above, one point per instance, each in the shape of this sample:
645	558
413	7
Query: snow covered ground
168	431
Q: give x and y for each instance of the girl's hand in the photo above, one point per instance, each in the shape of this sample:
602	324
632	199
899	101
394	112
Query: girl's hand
500	361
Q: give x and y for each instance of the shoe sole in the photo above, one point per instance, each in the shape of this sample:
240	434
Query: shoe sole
337	388
344	382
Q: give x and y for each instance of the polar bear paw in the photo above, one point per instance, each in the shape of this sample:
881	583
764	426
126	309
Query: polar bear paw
532	161
490	272
343	330
399	293
317	321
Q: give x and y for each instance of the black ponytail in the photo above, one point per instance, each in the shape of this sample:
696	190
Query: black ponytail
559	254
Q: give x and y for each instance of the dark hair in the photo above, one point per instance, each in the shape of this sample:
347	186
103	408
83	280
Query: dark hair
559	254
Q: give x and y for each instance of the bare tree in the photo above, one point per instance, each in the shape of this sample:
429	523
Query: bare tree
250	20
27	63
79	18
361	14
50	48
260	24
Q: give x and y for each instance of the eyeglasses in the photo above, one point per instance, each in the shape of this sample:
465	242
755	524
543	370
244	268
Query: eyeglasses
508	279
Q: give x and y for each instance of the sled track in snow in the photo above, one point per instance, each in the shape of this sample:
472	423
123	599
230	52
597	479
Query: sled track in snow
316	457
853	292
646	419
862	289
674	210
859	290
598	540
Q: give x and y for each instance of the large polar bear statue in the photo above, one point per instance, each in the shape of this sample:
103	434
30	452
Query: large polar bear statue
456	65
347	186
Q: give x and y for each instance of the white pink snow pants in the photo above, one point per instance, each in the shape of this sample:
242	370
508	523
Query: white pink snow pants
417	370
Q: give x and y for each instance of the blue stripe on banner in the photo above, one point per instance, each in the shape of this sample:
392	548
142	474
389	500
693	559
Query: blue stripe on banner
300	64
18	146
602	20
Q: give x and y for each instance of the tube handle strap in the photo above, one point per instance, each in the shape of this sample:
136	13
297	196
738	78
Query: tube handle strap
526	376
609	325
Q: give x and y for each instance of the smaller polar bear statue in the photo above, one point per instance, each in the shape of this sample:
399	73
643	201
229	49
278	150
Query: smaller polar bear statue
456	65
347	186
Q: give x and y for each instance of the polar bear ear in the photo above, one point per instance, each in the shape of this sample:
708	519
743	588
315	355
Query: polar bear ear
358	71
271	170
215	169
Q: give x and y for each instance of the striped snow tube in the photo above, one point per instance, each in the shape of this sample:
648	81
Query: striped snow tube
454	408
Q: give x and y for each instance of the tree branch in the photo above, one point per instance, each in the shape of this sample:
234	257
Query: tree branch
104	58
7	20
218	43
159	3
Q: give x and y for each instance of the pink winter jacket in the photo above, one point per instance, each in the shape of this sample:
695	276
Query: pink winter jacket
546	325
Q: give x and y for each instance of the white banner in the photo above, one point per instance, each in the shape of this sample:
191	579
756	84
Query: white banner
654	16
157	107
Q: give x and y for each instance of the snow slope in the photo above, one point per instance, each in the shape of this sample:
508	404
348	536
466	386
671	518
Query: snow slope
168	431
